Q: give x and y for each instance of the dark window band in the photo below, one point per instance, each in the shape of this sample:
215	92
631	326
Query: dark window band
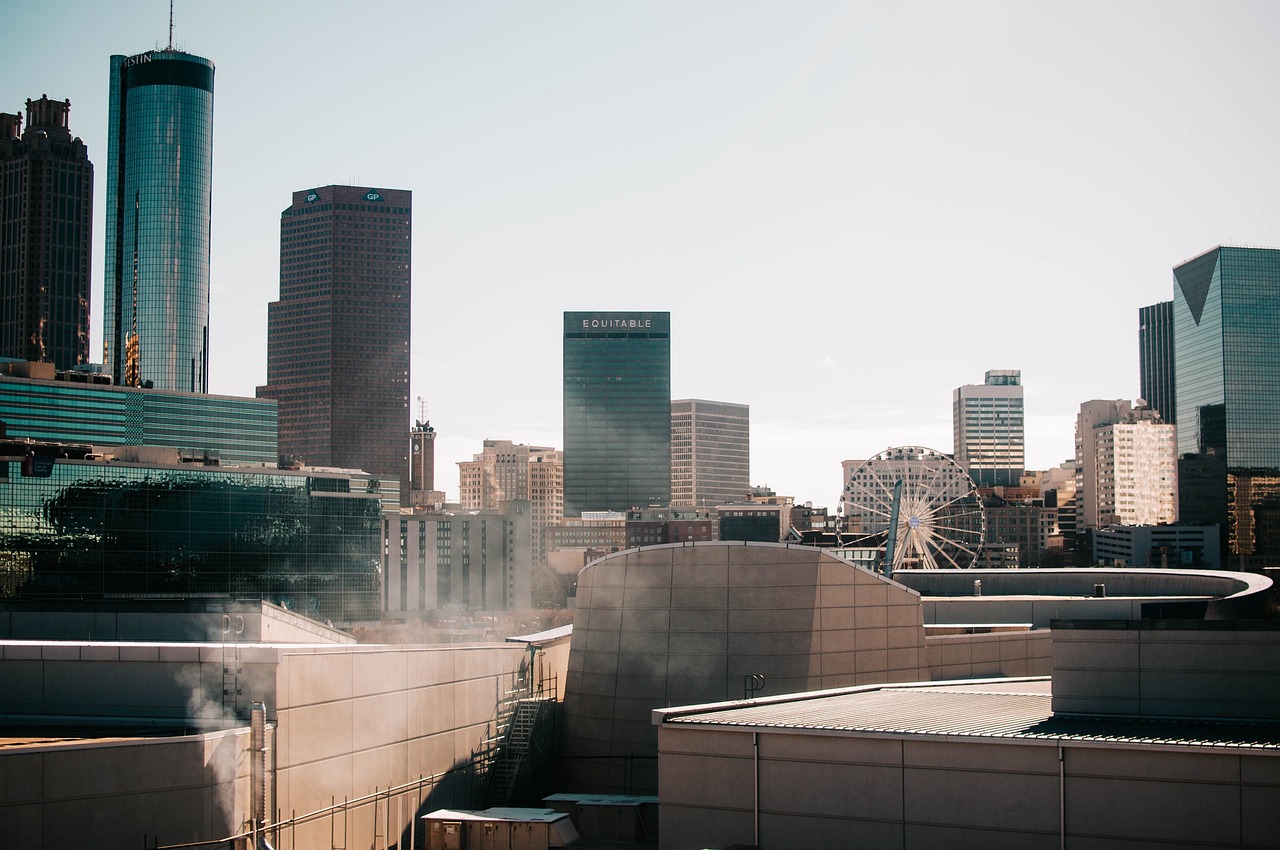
169	72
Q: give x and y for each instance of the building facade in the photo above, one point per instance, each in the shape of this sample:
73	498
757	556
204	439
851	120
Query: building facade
506	471
1157	546
46	227
988	426
338	337
710	452
230	429
1126	466
1157	384
84	526
1226	308
617	411
159	189
475	560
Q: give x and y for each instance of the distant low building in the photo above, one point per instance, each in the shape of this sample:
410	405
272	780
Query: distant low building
1158	546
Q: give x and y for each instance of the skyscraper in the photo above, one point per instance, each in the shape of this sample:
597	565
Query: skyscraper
507	471
617	411
1226	308
46	224
710	452
338	338
1155	359
988	429
159	174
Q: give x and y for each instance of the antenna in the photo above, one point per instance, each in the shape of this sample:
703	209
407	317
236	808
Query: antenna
171	24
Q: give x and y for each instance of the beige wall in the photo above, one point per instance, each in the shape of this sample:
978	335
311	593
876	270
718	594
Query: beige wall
1021	653
843	790
683	624
110	795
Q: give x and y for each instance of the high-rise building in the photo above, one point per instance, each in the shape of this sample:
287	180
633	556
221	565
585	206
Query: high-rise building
1226	308
617	411
46	224
1126	466
155	319
988	428
338	338
710	452
1155	359
505	471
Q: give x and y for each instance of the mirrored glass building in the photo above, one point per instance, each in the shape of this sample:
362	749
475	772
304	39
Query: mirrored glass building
159	173
617	411
1226	310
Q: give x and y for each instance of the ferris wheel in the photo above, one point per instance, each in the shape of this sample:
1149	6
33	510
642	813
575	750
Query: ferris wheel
941	522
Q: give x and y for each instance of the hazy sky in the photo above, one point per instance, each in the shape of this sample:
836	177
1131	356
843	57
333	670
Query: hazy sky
850	209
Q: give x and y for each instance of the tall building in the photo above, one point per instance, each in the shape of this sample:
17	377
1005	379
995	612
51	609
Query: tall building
988	428
1126	466
710	452
1226	308
338	338
155	320
46	225
1155	359
507	471
617	411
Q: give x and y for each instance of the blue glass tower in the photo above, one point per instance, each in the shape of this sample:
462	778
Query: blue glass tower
1226	309
617	411
159	172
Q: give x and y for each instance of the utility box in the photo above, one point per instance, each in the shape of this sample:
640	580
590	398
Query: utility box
499	829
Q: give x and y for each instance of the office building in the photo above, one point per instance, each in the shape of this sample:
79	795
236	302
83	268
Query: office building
1157	546
423	494
142	523
338	337
1226	308
1126	466
159	175
988	427
230	429
710	452
505	471
461	560
46	225
617	411
1155	360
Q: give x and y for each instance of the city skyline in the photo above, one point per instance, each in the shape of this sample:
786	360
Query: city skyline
883	202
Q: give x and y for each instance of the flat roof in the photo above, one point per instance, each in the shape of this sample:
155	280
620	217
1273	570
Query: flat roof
992	708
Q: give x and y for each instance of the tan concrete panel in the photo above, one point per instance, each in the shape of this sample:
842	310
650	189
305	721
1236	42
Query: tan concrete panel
21	777
979	798
1258	809
318	678
644	663
700	597
23	826
777	643
866	661
647	597
1178	766
705	572
829	619
683	827
826	788
649	556
837	595
380	672
764	619
684	781
698	643
694	690
380	767
605	597
690	666
872	595
996	838
904	615
318	732
956	652
608	572
872	617
599	663
601	640
838	640
1171	813
380	720
693	741
802	599
981	756
640	686
646	619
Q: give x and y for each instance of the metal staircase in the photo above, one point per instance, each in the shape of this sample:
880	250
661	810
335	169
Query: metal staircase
519	724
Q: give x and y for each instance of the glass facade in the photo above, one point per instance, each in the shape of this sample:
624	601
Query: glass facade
1226	311
1155	359
92	529
236	430
159	173
617	411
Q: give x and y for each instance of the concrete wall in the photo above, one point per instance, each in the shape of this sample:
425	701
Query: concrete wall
1020	653
684	624
113	795
842	790
1168	668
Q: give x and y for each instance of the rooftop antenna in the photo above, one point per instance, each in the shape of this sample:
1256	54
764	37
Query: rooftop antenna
171	24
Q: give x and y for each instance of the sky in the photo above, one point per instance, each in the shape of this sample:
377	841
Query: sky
850	209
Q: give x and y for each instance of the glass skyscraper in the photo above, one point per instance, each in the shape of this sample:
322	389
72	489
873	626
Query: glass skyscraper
159	173
617	411
1226	311
988	429
1155	359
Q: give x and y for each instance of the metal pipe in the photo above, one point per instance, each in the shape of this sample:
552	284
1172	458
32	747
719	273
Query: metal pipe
755	745
1062	800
